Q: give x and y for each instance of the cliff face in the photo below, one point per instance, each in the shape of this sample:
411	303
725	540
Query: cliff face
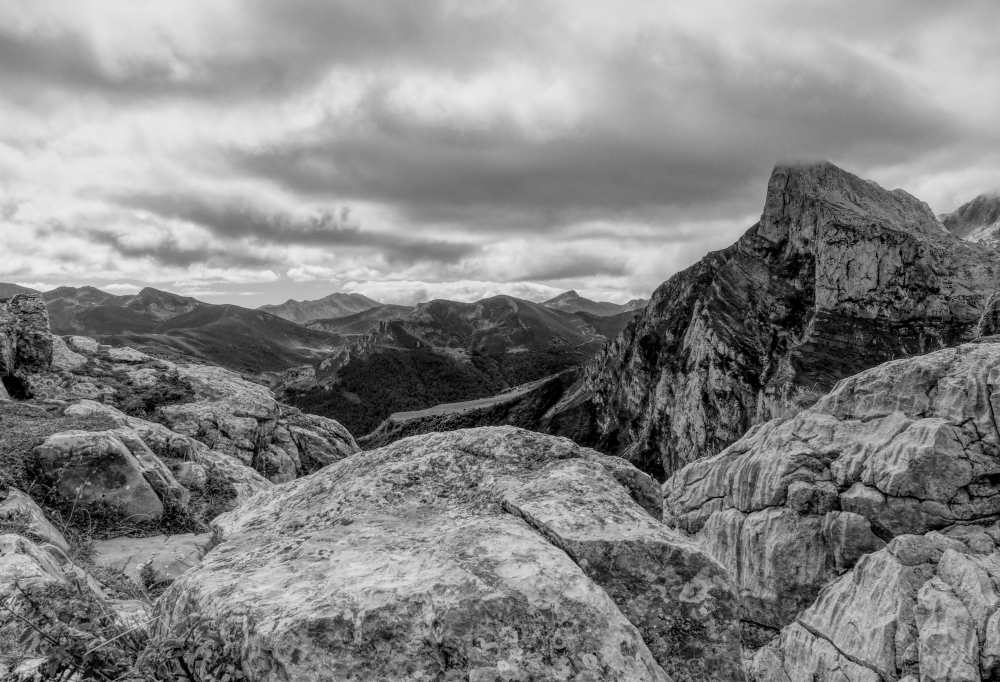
839	275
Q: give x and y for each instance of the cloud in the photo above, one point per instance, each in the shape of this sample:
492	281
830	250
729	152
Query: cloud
243	220
505	145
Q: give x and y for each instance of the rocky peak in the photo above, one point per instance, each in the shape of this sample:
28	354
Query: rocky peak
839	275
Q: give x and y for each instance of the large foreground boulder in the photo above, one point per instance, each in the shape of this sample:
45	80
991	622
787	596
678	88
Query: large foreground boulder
485	554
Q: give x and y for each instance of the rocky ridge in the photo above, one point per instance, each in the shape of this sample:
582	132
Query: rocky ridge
838	276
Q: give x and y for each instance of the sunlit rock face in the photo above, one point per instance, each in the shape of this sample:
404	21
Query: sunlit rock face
865	528
480	554
838	276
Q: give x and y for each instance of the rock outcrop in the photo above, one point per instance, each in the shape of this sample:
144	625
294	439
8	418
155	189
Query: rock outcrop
25	343
482	554
838	276
866	526
109	468
229	414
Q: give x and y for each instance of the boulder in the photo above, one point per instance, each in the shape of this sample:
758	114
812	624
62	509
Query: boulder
18	506
64	359
485	554
226	469
910	447
113	468
168	557
25	564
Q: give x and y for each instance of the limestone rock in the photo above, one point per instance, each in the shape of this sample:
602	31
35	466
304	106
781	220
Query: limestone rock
16	504
113	468
244	481
64	359
484	554
838	276
924	607
167	557
25	343
911	446
23	563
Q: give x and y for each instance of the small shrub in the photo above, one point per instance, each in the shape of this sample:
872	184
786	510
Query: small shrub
795	400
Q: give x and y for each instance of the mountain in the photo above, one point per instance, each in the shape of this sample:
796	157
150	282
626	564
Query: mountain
8	290
363	322
183	328
443	352
334	305
572	302
977	221
90	311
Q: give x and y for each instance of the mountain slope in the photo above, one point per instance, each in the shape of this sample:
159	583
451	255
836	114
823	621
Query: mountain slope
572	302
363	322
839	275
444	352
334	305
183	328
7	290
977	221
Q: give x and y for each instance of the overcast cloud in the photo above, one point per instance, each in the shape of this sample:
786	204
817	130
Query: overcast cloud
255	151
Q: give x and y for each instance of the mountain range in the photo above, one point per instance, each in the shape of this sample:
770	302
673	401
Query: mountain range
977	221
572	302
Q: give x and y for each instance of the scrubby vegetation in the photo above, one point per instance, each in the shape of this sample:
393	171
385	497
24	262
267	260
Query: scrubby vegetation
395	380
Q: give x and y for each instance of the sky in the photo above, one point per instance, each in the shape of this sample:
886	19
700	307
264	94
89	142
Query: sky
254	151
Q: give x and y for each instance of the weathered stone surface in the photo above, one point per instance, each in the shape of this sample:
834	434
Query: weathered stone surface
64	359
244	481
838	276
113	468
911	446
925	606
23	563
16	504
167	557
487	554
25	343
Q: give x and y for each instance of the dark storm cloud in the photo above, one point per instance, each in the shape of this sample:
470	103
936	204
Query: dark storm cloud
280	48
574	266
230	221
661	139
169	251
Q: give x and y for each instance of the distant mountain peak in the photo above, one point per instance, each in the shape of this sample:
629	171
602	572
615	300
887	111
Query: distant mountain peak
331	306
572	302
